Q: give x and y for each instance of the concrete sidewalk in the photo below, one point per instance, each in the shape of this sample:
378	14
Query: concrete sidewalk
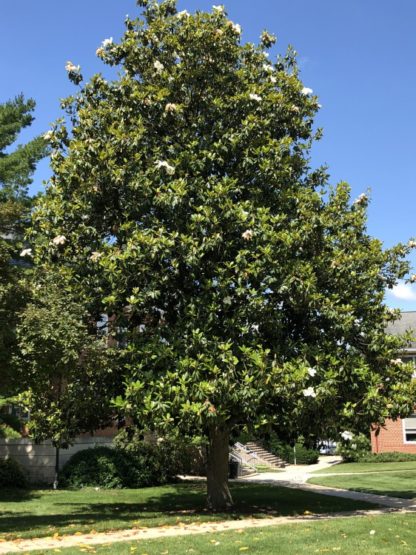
296	473
296	477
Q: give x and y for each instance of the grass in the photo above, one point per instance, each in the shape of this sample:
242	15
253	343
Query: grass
381	535
41	513
394	484
368	467
261	468
394	479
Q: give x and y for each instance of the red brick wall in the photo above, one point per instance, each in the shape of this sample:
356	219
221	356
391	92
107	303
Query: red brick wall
391	439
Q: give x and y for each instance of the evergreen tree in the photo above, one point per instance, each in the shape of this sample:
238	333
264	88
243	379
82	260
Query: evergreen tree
16	169
248	290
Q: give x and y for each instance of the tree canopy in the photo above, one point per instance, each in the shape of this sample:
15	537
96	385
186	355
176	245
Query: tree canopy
243	288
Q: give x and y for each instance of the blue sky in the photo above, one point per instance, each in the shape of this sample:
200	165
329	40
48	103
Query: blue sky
358	57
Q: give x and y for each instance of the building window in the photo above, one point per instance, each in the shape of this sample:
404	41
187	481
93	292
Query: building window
409	429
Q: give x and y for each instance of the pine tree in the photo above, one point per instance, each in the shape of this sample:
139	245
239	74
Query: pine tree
16	169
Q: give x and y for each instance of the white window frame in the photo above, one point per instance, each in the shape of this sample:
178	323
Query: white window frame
410	429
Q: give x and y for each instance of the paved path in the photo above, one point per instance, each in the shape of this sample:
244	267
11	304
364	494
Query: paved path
296	477
296	473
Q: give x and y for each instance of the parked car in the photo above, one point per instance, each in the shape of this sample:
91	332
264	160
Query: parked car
327	447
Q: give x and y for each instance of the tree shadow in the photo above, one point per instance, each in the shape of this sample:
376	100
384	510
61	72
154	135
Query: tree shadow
14	495
184	502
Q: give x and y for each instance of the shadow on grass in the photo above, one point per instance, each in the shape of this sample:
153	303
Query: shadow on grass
16	495
184	502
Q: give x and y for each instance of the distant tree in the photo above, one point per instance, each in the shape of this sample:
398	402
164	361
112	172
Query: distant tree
248	291
64	361
16	169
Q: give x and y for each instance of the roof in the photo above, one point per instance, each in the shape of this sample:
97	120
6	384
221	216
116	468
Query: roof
406	322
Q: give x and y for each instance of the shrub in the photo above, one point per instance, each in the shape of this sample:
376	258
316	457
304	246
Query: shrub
354	449
286	452
11	474
101	467
174	456
132	463
392	456
8	432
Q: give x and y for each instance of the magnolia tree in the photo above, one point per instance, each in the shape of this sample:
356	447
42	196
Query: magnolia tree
246	290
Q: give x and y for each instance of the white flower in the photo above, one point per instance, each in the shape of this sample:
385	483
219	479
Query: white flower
361	199
218	9
372	532
412	278
72	68
255	327
170	170
163	341
309	392
142	328
59	240
95	256
273	79
247	235
107	43
266	54
159	67
227	300
48	135
411	244
312	372
26	252
182	14
396	361
255	97
347	435
170	107
235	27
306	91
268	68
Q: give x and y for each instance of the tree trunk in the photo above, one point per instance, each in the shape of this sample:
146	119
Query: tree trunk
219	496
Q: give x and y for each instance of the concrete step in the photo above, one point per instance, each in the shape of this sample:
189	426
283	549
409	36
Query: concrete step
266	456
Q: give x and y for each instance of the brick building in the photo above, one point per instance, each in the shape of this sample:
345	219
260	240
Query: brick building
399	435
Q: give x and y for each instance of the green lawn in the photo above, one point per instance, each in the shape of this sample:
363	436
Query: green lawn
382	535
395	484
45	512
368	467
394	479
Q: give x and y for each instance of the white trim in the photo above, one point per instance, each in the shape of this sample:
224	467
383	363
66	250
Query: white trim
405	441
